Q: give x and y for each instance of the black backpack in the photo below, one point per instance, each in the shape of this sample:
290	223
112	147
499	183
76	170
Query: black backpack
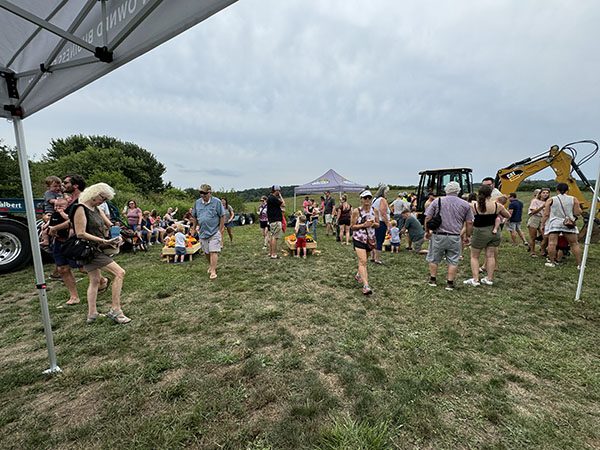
436	221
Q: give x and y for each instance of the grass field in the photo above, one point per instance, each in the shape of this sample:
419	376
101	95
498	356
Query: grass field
288	354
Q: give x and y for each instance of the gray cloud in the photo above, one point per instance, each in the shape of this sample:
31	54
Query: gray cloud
278	92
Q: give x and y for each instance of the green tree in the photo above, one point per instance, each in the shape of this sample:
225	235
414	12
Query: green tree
10	179
142	168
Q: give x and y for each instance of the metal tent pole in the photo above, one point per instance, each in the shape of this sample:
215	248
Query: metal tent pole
588	236
35	245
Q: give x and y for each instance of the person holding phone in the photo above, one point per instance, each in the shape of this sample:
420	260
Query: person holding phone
91	224
363	223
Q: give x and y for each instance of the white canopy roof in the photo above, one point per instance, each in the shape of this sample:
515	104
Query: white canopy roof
51	48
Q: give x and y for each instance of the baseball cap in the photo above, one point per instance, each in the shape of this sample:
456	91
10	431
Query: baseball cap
366	193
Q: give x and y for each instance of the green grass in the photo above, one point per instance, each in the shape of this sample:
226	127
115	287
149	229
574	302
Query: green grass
288	354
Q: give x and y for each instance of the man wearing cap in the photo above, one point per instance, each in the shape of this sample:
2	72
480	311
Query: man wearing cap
445	241
275	204
209	217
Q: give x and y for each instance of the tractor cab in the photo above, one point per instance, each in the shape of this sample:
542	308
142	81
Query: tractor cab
434	181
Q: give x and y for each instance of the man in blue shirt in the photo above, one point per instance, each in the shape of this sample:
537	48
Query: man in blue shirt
209	219
515	208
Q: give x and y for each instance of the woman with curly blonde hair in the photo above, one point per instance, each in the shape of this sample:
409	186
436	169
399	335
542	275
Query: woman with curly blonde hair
91	224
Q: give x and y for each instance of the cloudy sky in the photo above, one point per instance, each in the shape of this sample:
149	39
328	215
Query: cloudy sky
279	91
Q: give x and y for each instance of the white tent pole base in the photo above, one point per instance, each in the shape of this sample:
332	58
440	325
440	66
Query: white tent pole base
35	245
588	237
52	370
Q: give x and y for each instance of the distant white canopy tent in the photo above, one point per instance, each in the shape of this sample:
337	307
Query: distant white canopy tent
330	181
51	48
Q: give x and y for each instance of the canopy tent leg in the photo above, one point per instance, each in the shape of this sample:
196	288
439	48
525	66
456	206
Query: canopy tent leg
588	236
294	201
35	245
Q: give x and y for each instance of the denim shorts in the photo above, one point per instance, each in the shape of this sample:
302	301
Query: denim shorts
59	259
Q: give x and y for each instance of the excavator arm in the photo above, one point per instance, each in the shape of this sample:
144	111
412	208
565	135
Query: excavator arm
509	178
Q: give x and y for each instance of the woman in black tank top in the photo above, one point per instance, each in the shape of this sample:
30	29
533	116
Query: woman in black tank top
484	236
484	220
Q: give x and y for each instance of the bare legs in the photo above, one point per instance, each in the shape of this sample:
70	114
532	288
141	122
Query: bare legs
95	281
573	241
362	256
67	276
490	262
212	258
345	231
533	232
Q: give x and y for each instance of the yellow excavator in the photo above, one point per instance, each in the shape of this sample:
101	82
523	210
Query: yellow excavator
563	162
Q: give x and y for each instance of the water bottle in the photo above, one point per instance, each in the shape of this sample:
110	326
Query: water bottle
115	231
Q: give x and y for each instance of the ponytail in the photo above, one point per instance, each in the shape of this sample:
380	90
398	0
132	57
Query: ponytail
484	193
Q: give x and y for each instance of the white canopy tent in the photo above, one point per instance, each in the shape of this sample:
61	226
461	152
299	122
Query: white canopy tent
51	48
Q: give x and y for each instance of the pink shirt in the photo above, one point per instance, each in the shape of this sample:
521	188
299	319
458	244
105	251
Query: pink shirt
535	204
134	216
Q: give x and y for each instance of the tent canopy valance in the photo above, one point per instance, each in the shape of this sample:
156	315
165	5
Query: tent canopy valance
329	181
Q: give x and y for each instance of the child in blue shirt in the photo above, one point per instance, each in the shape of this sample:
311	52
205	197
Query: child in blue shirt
395	236
180	243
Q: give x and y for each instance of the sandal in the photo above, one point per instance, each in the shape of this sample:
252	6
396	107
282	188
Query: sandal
118	317
91	319
358	278
72	302
103	289
367	290
212	276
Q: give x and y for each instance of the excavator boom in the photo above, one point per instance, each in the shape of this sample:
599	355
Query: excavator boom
509	178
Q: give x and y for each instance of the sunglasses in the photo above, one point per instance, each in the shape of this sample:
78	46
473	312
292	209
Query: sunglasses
204	193
367	197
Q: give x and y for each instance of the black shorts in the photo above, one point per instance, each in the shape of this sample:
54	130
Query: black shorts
361	245
264	224
344	221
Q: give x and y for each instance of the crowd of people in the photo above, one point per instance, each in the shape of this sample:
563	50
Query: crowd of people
451	223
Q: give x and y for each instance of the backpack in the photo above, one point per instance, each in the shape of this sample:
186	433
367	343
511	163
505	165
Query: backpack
436	221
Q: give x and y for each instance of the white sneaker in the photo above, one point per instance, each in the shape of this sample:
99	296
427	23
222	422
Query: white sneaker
471	282
487	282
550	264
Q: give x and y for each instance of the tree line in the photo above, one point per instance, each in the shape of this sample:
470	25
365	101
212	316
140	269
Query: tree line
134	173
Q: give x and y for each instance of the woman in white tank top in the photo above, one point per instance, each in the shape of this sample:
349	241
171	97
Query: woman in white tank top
557	209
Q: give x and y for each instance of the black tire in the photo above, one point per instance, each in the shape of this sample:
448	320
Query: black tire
15	248
249	219
241	220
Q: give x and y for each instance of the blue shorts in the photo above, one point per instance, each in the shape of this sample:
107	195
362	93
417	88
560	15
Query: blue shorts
59	259
180	251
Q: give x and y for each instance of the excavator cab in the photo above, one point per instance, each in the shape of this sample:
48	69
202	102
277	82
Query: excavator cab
434	181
